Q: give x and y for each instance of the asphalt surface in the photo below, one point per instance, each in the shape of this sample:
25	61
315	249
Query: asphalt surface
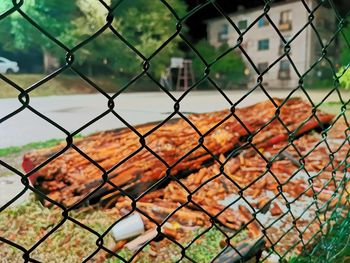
72	112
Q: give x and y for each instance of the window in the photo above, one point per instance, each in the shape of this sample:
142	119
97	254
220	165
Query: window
284	70
263	44
286	17
281	49
325	23
262	66
263	22
242	24
285	20
223	33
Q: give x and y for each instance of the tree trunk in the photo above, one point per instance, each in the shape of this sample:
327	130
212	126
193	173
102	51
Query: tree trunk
70	176
45	61
50	62
90	72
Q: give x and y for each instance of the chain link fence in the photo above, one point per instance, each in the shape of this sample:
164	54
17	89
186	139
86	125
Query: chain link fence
266	182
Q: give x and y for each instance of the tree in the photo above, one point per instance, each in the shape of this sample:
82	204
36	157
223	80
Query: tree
53	16
227	71
146	26
344	79
344	45
345	57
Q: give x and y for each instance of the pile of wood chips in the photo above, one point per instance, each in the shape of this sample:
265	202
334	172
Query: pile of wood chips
269	187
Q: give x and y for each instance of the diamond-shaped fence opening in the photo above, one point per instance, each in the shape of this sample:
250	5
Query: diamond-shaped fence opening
253	172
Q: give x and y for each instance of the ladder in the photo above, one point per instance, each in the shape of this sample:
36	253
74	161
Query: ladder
185	76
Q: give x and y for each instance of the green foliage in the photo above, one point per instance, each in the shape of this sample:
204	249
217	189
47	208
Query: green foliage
51	15
345	45
228	70
334	247
144	26
344	79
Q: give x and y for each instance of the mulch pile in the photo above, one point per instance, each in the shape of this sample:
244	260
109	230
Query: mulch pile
277	190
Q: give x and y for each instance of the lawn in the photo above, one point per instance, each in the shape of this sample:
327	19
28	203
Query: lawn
13	155
70	84
28	222
61	85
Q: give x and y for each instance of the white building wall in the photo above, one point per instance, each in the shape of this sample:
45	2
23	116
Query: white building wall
301	47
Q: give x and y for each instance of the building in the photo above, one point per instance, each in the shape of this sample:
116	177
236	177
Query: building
264	45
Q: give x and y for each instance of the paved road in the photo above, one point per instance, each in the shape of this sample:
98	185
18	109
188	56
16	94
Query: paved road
71	112
11	186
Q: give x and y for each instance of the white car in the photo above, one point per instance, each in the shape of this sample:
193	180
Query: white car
8	66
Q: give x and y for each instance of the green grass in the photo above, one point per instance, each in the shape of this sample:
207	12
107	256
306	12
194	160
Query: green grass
334	108
60	85
70	84
204	249
12	150
30	146
334	247
13	155
28	222
208	245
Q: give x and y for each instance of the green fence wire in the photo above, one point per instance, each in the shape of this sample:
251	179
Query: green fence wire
324	220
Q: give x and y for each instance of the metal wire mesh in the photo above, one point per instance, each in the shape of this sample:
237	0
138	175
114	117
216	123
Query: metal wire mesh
325	212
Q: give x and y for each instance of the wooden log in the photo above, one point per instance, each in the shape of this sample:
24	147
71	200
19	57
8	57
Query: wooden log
70	177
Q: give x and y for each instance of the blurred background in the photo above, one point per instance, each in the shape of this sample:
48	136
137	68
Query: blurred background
27	55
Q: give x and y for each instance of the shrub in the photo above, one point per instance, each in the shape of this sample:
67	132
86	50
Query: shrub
344	77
